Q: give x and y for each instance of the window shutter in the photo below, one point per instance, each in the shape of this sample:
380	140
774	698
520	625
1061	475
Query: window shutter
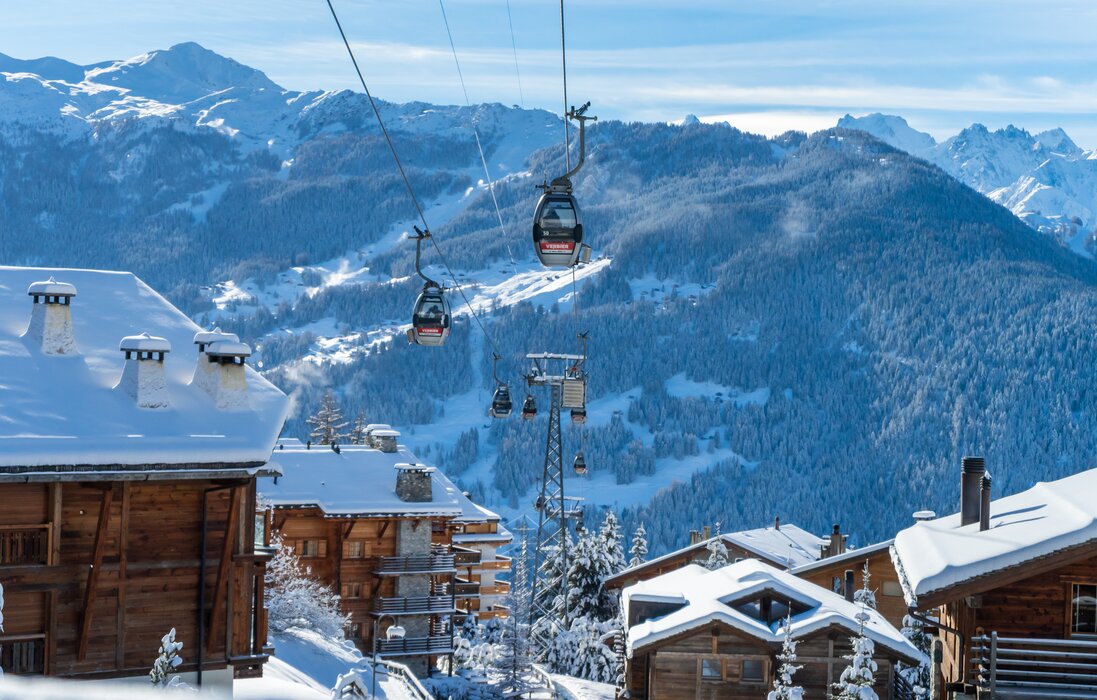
346	550
323	549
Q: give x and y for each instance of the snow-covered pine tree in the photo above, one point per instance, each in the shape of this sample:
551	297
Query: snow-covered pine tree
783	689
514	660
358	430
162	674
858	678
918	676
717	554
295	599
327	423
639	551
550	592
865	593
612	543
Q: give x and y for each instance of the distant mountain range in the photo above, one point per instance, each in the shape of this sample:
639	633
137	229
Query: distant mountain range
811	327
1046	180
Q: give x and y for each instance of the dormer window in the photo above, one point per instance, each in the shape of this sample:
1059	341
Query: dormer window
770	608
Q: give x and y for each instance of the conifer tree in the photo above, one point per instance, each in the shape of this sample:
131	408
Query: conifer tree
783	689
865	593
514	660
918	676
358	430
162	674
295	599
639	550
327	423
859	676
717	554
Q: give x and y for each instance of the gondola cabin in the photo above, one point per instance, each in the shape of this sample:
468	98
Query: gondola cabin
501	404
430	321
557	230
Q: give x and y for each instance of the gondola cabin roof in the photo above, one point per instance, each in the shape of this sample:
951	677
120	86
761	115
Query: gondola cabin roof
65	412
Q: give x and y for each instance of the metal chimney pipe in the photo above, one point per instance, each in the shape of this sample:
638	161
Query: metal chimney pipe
971	480
984	506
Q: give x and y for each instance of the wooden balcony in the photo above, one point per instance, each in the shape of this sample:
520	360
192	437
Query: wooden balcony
500	588
1007	667
421	564
466	557
466	589
415	646
418	605
22	545
500	563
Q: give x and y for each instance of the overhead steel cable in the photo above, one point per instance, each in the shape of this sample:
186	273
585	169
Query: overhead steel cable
404	175
564	64
476	136
514	48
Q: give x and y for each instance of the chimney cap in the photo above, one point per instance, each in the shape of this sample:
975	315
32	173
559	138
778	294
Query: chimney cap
51	287
414	468
378	426
924	515
386	432
973	465
207	337
228	348
144	343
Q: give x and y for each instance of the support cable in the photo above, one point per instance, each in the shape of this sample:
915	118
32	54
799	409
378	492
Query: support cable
404	176
514	48
564	64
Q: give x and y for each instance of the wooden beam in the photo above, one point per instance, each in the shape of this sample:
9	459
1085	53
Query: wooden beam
384	529
55	524
93	573
220	593
120	614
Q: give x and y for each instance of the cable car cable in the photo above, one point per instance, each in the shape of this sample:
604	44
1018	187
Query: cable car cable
403	174
564	64
476	136
514	48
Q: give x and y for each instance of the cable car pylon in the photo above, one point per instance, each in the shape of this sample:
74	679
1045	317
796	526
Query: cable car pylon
560	373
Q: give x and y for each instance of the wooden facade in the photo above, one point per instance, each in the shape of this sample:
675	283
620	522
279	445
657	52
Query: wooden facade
385	571
830	573
1032	604
718	661
96	572
475	547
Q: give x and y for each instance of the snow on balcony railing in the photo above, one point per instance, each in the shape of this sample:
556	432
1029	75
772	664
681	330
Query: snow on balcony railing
413	646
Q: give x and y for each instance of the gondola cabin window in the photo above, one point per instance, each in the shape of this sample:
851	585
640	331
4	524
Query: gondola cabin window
1083	610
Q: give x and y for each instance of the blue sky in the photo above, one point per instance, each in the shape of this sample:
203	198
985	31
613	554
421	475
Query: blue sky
764	65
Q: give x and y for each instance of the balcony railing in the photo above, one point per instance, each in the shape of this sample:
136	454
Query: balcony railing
1005	667
419	564
466	557
466	589
23	655
418	605
415	646
500	588
23	544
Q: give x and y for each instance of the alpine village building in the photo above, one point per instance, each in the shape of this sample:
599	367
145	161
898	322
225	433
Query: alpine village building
130	444
399	542
1010	586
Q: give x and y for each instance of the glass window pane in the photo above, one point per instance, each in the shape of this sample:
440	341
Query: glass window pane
753	671
1083	611
710	669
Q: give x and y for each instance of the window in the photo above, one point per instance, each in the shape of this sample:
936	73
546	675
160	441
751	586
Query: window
836	585
754	671
1083	609
351	590
312	548
355	549
710	670
893	589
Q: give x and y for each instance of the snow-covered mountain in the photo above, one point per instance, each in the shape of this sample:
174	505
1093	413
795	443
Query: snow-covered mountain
1045	179
779	326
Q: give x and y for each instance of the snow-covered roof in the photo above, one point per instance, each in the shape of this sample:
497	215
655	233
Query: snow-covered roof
228	348
358	481
706	596
787	545
64	410
935	555
850	555
206	337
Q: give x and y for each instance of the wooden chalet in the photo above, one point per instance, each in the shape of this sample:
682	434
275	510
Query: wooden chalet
375	525
784	546
694	633
1012	586
842	574
130	443
476	536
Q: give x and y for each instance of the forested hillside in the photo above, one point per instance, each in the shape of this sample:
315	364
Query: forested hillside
786	326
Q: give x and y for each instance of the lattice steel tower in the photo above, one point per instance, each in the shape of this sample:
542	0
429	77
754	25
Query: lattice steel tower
566	381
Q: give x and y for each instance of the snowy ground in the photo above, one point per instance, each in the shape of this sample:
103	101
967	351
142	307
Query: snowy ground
578	689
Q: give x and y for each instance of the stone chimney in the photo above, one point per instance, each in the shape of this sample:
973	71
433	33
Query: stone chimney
50	325
228	383
971	479
385	440
370	442
924	516
143	376
836	545
694	537
777	522
413	483
984	502
205	372
706	532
